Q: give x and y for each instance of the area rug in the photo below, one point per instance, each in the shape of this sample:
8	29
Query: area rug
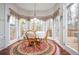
45	49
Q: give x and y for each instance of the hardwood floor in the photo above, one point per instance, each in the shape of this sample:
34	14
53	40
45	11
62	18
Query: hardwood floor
7	50
62	51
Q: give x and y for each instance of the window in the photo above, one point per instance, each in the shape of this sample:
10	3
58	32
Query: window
73	27
72	14
12	27
12	20
22	26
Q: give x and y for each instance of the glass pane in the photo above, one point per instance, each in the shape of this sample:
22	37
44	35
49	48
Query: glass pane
22	26
12	27
57	29
73	29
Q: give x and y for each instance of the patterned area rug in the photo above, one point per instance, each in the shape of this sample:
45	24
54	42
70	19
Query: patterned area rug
45	49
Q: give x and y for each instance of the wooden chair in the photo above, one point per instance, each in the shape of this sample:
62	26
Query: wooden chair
46	36
31	37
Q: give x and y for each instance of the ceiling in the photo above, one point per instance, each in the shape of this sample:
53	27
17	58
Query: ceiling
39	6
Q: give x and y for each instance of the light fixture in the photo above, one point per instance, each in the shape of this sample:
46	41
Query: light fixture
35	12
35	20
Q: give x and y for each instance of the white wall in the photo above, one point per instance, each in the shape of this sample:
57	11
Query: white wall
6	42
2	40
